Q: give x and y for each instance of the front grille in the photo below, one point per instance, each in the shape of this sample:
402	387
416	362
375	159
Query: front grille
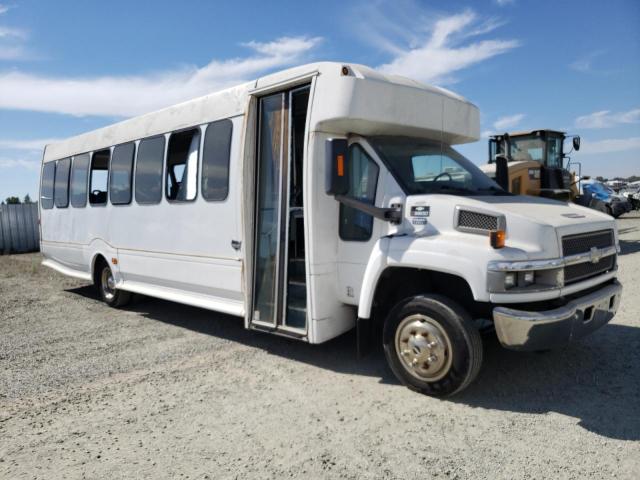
584	242
477	221
585	270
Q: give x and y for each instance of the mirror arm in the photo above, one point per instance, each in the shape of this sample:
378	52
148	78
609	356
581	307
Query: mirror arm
393	215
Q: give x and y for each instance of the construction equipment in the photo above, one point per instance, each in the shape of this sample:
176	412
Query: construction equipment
533	163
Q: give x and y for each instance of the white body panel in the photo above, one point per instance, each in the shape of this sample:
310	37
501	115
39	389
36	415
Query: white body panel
183	251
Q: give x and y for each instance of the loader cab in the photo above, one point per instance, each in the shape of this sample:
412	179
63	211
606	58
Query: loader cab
535	161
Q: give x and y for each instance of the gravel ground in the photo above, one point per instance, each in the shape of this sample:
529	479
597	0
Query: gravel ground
161	390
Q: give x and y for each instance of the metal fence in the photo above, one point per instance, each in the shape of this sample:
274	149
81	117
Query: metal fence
19	230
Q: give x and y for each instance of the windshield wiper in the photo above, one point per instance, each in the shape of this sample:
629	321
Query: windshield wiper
458	189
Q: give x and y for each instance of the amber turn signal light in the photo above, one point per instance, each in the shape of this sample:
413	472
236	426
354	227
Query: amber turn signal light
340	165
497	238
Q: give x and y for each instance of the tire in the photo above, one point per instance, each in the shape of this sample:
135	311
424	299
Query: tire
106	287
443	351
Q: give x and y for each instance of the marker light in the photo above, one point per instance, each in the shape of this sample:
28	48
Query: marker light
510	280
497	238
529	278
340	165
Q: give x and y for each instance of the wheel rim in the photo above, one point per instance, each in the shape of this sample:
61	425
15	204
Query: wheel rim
108	284
423	347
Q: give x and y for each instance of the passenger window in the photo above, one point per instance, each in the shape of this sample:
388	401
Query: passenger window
121	174
149	170
182	165
79	177
61	188
363	180
46	188
215	160
99	177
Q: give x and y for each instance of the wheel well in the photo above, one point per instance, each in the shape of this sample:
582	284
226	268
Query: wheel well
97	262
397	283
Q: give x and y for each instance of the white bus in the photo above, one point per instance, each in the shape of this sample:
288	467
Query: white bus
320	198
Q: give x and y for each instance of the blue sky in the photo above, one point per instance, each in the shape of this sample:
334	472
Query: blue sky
69	67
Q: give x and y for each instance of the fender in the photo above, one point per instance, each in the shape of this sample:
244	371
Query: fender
428	254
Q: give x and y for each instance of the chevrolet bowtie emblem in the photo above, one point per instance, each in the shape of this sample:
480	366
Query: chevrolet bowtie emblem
595	255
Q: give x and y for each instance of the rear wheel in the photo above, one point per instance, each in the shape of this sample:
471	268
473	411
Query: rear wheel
107	287
431	345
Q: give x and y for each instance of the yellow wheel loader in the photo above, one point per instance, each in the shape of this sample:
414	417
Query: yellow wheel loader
533	163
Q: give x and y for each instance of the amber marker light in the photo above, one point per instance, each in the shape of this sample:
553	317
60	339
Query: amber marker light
114	260
497	238
340	165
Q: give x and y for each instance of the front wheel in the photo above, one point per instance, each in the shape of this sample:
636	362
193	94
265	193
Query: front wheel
431	345
107	288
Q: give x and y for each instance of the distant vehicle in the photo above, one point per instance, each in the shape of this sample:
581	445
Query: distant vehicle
597	195
632	193
322	198
533	163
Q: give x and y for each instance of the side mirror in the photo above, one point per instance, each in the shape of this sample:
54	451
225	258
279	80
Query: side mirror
576	143
502	171
336	166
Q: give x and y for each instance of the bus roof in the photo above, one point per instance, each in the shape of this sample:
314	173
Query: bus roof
362	100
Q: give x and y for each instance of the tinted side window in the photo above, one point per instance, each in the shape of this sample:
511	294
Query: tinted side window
363	180
149	170
215	160
121	174
99	177
46	188
61	189
79	177
182	165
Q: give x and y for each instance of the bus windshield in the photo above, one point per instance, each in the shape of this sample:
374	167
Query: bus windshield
427	166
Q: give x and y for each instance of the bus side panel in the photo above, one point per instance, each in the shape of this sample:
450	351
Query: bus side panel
186	246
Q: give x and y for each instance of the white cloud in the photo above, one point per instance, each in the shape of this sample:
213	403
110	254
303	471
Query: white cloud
503	124
610	145
510	121
3	8
608	119
134	95
503	3
7	32
33	165
33	145
584	64
11	52
434	53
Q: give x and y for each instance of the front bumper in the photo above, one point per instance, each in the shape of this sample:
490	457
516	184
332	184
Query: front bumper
526	330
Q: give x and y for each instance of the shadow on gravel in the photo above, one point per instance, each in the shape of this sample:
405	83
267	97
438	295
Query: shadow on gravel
338	354
596	380
629	246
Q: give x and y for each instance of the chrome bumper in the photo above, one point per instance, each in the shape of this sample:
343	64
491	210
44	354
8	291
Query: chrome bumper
524	330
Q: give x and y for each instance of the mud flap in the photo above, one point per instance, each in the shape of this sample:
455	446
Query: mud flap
363	336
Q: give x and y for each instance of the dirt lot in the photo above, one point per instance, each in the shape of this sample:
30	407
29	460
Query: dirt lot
161	390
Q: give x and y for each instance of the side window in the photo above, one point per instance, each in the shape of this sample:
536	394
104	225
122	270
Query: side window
182	165
79	177
121	174
99	177
215	160
61	188
149	170
46	187
363	180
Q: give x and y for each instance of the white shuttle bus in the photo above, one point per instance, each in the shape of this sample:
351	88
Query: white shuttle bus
321	198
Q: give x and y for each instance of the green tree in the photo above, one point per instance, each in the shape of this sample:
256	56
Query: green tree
13	200
27	199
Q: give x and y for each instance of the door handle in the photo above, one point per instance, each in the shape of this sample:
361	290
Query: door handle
236	244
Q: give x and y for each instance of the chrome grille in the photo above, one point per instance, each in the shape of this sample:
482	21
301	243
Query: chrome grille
582	271
477	221
584	242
